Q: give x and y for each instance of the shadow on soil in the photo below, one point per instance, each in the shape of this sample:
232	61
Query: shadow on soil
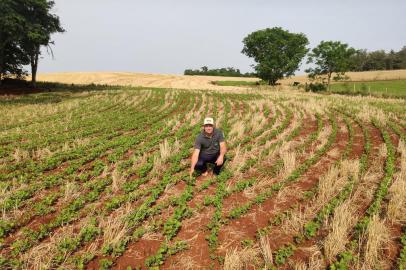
13	91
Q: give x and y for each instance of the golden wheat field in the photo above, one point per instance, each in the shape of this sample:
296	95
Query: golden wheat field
140	79
99	178
191	82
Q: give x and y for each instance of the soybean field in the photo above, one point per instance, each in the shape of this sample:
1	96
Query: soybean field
100	180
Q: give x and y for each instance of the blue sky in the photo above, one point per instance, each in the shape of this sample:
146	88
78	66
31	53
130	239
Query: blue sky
159	36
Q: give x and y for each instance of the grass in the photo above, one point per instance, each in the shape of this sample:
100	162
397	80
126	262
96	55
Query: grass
378	236
389	88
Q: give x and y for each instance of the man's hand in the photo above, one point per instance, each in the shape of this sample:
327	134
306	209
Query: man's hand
223	150
191	172
220	160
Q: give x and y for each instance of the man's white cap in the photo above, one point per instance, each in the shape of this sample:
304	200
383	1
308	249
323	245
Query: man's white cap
208	121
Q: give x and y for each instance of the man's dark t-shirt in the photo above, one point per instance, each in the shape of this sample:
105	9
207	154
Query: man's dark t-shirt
209	146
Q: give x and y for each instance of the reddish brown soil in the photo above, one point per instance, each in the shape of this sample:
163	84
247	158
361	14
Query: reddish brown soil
260	215
302	253
177	189
199	251
36	221
394	246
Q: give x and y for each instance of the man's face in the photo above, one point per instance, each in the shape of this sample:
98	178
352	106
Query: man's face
208	129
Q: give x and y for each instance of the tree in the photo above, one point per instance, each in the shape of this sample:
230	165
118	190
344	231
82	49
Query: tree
277	52
25	26
376	60
330	57
359	60
401	58
14	60
12	21
40	25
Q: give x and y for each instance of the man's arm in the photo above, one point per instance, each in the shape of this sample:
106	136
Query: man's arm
195	158
223	150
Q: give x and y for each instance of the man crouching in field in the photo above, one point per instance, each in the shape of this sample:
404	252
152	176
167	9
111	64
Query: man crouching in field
210	147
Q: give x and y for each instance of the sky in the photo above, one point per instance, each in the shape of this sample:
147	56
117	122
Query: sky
169	36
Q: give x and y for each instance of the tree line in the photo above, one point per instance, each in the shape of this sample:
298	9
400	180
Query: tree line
25	27
363	60
227	72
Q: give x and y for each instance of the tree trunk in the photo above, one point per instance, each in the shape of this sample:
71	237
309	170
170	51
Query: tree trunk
34	66
272	82
328	81
1	64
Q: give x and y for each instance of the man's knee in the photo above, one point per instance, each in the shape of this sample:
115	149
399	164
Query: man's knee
199	164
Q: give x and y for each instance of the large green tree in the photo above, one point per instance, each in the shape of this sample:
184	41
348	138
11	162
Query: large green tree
276	51
330	57
25	26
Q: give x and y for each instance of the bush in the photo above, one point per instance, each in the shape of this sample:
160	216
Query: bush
315	87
